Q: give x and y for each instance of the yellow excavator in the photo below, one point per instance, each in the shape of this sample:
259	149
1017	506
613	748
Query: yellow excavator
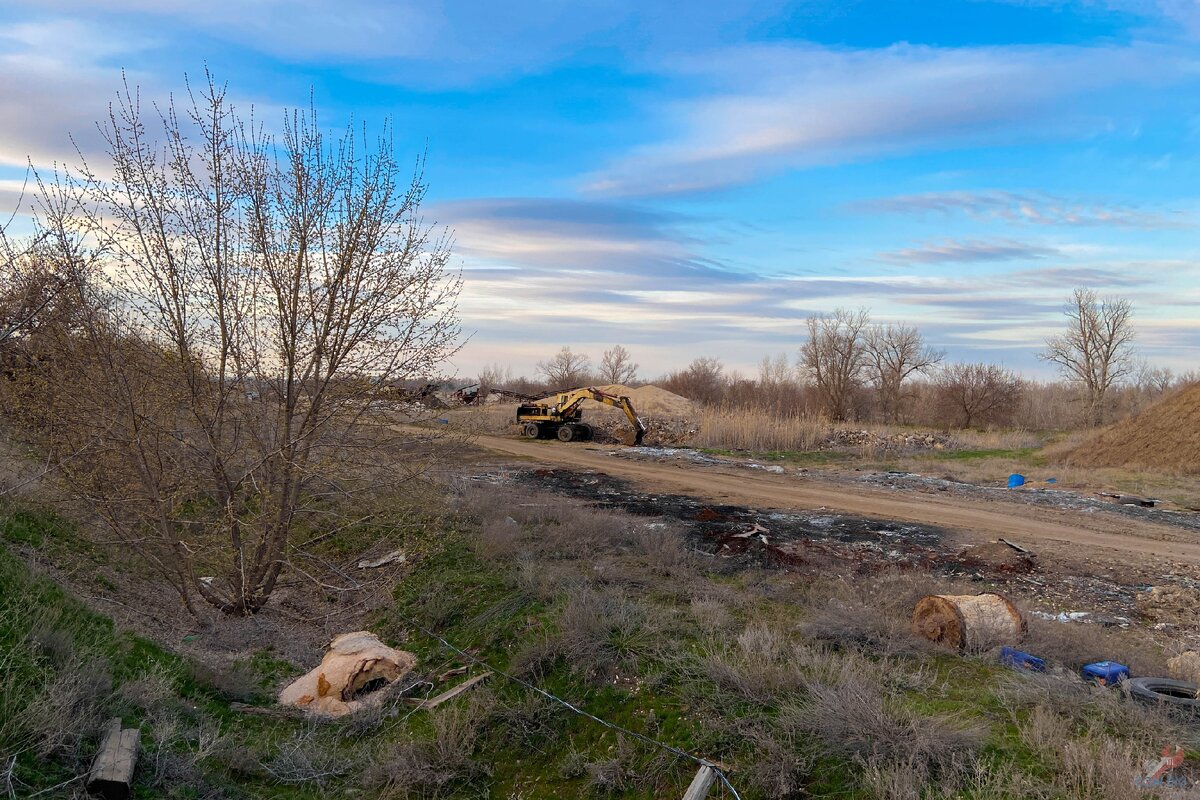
564	418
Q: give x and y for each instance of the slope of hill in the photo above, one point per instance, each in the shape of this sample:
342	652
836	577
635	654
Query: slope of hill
1165	436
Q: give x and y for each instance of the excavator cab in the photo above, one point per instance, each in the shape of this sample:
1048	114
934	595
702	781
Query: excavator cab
564	419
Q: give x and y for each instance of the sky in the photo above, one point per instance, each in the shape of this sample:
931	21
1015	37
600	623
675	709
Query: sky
697	179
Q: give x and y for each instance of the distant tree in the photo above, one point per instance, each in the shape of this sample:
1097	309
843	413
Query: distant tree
617	366
493	377
894	353
702	381
255	301
775	371
566	370
1096	350
1154	380
977	394
835	357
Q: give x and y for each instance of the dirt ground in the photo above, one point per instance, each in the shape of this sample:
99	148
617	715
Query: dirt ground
1109	537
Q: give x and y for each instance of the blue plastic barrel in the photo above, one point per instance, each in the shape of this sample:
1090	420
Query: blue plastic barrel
1020	660
1105	673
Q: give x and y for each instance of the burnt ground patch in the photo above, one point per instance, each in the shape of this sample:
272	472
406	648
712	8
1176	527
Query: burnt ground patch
801	540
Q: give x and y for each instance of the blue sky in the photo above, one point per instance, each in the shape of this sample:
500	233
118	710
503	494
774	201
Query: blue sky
696	180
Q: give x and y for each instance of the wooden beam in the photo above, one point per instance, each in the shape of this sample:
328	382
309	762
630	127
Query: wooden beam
449	694
112	771
701	784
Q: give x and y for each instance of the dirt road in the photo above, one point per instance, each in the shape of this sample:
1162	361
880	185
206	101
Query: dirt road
1095	537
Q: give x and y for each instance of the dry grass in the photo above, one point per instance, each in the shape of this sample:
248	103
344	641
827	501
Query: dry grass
760	431
853	720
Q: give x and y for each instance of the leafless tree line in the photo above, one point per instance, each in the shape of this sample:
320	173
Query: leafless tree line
204	328
851	368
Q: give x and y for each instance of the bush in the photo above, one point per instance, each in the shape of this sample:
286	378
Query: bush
853	721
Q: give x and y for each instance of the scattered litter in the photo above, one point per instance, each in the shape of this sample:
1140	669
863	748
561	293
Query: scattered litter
354	668
1173	604
394	557
1130	500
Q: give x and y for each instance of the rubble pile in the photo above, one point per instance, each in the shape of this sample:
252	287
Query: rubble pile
1175	605
845	438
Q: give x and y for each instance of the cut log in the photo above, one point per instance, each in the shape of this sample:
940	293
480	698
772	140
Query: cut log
701	784
112	771
968	622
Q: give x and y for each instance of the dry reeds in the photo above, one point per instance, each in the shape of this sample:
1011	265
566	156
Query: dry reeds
760	431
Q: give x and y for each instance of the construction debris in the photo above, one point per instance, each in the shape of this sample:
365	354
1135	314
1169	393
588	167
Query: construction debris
394	557
449	694
968	622
1177	605
111	776
354	668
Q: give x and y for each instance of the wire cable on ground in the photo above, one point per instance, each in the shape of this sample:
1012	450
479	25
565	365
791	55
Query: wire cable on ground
720	773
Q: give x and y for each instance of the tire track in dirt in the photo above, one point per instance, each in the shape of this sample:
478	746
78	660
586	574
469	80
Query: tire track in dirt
1071	534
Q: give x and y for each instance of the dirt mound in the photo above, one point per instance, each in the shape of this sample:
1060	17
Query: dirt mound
1164	436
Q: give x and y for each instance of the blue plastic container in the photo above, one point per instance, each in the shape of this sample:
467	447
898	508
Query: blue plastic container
1019	660
1015	480
1105	673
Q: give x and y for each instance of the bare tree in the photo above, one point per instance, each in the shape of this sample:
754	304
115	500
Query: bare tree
977	394
1154	380
253	302
566	370
834	357
894	353
1096	350
617	366
494	377
702	381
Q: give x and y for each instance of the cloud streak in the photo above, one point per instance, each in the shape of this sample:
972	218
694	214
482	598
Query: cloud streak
762	109
1034	208
965	251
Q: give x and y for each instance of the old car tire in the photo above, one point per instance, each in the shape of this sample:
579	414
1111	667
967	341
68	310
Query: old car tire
1167	692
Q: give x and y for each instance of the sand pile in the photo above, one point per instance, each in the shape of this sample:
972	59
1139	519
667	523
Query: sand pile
1164	436
646	400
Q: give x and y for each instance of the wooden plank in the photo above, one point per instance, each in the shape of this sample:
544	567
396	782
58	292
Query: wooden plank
1017	547
701	784
112	771
449	694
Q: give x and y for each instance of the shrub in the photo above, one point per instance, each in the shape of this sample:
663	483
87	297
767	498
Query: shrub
853	721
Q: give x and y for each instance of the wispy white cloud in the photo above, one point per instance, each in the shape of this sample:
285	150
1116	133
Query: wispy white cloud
757	110
959	251
1034	208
